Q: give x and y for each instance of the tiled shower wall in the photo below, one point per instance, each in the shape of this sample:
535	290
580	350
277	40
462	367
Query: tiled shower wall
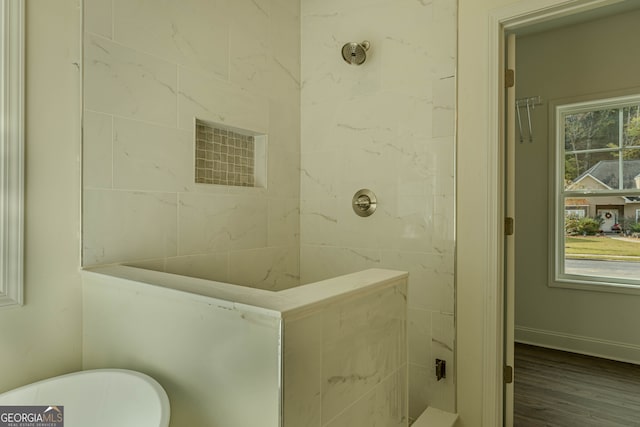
152	67
387	125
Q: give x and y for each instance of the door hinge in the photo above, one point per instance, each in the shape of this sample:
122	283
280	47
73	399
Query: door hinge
508	226
508	374
509	78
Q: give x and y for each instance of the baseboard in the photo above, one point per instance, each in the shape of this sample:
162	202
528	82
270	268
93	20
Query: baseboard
622	352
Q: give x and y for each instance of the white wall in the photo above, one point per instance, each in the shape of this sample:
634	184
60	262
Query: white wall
150	68
43	338
597	57
387	125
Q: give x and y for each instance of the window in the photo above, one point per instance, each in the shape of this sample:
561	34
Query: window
597	193
11	149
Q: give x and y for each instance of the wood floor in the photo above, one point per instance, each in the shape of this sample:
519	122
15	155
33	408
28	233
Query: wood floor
559	389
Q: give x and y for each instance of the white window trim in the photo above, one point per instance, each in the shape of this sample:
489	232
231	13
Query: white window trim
557	277
12	150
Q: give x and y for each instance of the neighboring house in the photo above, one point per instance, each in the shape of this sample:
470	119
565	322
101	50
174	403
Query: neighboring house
604	176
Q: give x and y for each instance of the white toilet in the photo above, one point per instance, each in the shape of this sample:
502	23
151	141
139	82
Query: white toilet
98	398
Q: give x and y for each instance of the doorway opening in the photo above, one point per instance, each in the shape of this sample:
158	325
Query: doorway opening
557	59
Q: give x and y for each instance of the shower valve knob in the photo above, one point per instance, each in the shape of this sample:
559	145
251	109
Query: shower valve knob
364	202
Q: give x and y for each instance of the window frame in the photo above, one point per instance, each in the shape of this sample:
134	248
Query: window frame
12	149
557	194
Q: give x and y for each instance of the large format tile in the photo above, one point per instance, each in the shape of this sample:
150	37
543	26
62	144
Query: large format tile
129	83
152	158
272	269
284	33
97	17
283	169
117	226
431	278
97	149
192	33
363	342
323	262
283	222
384	406
209	98
213	223
212	266
249	61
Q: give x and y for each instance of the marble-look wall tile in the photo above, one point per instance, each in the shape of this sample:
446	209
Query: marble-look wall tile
150	69
284	222
441	164
207	97
285	35
384	406
97	17
363	342
420	383
320	7
419	329
252	14
213	266
284	126
444	92
346	364
249	60
213	223
271	269
178	31
282	166
443	121
442	393
156	264
402	224
285	80
259	66
445	29
152	158
319	220
431	278
118	227
423	384
316	179
322	262
121	81
389	128
97	158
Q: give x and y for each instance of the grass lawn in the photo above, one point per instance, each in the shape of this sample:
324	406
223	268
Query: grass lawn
601	247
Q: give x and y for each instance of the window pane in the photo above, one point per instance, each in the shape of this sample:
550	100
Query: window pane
591	130
591	171
631	132
631	168
602	242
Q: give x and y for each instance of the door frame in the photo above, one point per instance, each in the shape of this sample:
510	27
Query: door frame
501	20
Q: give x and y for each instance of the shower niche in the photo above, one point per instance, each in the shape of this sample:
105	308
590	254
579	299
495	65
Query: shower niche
229	156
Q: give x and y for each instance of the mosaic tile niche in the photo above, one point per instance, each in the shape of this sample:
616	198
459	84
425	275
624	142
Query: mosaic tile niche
229	156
